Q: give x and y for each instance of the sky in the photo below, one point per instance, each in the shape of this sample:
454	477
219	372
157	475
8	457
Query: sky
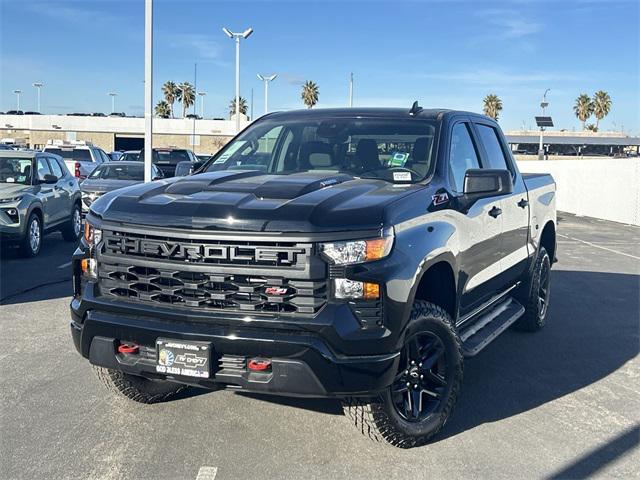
447	54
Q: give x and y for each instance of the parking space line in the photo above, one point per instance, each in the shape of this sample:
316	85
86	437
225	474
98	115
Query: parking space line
598	246
207	473
65	265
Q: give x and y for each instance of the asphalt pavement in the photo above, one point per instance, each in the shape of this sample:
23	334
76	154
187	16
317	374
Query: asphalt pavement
560	403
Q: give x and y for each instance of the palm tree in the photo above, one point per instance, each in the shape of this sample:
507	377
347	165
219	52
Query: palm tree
601	106
170	92
583	108
243	106
492	106
310	93
163	109
186	95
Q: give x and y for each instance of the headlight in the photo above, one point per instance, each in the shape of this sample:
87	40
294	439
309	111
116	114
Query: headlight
11	200
92	235
357	251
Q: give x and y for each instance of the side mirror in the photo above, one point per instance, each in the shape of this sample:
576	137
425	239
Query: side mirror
481	183
183	168
48	178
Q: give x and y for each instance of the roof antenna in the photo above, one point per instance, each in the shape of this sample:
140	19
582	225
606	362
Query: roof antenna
415	109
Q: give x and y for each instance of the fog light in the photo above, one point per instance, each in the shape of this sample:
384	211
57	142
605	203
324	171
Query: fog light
89	267
12	213
345	288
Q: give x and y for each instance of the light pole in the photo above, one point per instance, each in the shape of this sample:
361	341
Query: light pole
237	37
351	90
113	96
202	95
266	79
148	88
38	85
543	104
18	92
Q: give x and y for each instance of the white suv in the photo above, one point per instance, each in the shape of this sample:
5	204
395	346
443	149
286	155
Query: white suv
81	158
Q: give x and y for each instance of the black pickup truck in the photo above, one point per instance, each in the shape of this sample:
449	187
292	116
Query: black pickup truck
358	254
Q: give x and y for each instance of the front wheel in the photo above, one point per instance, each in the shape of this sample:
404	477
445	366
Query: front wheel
425	389
71	231
138	389
32	241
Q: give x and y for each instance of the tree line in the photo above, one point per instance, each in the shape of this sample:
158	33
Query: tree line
584	107
185	94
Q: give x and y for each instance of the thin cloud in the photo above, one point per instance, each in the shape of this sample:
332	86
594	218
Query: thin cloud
292	79
510	24
202	46
497	77
71	14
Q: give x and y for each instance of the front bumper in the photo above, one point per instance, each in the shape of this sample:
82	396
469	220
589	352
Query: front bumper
11	230
303	364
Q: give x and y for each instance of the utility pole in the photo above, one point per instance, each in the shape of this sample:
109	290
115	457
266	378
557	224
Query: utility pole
18	92
113	101
148	88
351	90
543	104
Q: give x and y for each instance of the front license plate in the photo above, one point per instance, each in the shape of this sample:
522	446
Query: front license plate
179	357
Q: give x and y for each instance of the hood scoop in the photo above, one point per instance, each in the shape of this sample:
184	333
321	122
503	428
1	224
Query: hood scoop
287	187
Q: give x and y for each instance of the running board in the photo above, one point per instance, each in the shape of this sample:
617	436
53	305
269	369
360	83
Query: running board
489	325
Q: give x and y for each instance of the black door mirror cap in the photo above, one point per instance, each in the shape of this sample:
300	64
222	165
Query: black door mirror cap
48	178
484	182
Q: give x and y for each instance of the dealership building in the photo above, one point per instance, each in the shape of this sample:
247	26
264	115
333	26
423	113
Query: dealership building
208	136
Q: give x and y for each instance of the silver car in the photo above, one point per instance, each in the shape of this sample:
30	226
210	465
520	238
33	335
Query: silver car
111	176
37	195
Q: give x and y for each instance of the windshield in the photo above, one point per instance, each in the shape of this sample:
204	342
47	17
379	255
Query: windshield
76	154
15	170
388	149
129	157
117	171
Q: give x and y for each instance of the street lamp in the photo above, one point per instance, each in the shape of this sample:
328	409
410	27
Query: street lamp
113	96
38	85
542	122
266	79
237	36
202	95
18	92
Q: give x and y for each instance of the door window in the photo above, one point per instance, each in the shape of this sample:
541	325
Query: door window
462	155
43	168
55	168
495	154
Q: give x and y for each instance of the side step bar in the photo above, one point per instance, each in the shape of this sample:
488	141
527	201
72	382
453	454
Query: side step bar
489	325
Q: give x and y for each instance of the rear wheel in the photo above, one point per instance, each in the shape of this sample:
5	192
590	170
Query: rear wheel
138	389
419	401
537	305
71	230
32	241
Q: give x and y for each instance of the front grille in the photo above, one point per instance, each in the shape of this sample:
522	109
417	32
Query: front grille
211	291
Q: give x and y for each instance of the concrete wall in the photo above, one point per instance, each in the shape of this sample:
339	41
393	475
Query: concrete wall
604	188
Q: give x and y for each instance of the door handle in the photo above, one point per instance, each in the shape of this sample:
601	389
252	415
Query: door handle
523	203
495	212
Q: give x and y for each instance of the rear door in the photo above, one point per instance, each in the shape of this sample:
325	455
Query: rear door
515	207
479	233
63	189
46	193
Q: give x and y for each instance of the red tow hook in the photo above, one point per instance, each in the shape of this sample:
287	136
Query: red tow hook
259	364
131	348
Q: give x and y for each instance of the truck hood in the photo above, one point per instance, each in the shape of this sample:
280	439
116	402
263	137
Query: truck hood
254	201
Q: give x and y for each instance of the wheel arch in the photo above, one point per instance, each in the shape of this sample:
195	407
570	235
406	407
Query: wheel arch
548	239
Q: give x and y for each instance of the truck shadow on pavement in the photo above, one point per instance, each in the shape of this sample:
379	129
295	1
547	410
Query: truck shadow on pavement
591	331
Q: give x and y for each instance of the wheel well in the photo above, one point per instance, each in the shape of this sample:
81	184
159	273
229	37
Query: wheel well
438	286
38	212
548	240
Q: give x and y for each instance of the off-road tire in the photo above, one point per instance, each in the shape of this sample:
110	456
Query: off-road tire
377	418
69	232
25	249
532	320
136	388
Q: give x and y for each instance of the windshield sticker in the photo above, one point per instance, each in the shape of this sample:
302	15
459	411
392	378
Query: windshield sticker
401	176
398	159
232	149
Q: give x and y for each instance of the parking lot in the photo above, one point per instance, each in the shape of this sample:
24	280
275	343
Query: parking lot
562	403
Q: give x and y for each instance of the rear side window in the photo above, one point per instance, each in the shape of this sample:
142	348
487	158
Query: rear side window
495	154
462	155
55	168
75	154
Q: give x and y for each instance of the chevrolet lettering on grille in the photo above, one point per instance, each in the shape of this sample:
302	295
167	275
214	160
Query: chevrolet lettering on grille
203	252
